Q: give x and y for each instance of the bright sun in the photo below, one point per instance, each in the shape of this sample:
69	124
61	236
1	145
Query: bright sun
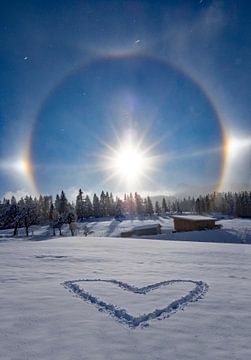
129	163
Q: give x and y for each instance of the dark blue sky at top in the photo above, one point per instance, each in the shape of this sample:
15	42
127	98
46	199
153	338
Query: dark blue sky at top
72	72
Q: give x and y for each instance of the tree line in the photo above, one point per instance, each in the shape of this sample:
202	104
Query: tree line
45	210
236	204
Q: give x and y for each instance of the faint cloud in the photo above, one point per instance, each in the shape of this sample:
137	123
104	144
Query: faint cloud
21	193
145	193
213	21
72	192
186	32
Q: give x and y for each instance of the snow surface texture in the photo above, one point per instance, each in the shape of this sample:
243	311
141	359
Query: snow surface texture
122	315
41	320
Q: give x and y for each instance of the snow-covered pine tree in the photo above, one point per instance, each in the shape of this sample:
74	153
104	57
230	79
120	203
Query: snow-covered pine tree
29	213
118	207
57	203
149	206
125	204
138	204
111	205
10	217
80	208
131	205
144	206
88	211
164	206
96	206
44	204
63	205
157	208
53	217
107	204
102	203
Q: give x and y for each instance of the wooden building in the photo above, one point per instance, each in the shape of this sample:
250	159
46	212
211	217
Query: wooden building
194	222
153	229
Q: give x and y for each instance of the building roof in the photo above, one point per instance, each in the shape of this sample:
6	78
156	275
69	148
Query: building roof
193	217
147	226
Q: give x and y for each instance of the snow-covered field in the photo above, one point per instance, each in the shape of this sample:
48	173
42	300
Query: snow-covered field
51	310
232	231
102	297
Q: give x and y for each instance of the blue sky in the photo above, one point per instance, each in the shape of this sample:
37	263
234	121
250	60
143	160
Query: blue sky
78	79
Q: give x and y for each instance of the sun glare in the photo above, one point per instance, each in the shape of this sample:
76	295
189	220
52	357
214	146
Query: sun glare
21	166
236	145
129	163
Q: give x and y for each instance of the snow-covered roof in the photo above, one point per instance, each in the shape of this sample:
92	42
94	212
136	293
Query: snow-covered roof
147	226
193	217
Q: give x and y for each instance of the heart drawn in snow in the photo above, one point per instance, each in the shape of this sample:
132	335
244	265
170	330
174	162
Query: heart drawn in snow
122	315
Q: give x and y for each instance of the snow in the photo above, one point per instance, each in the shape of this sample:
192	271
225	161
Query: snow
131	299
148	226
133	321
193	217
232	231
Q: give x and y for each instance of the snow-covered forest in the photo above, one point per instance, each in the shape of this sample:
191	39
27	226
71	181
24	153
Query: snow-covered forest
56	212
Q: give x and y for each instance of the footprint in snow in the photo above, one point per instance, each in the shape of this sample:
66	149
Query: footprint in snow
122	315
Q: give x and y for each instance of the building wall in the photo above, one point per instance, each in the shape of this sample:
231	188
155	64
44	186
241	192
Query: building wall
126	234
190	225
148	231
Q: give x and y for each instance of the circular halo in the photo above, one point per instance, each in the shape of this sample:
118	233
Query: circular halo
30	156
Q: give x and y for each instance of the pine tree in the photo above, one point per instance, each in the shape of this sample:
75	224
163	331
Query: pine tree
9	216
131	205
87	207
96	206
197	206
63	204
149	206
107	204
111	205
57	203
80	205
118	207
138	204
53	217
13	201
164	206
43	204
29	213
157	208
125	204
102	204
